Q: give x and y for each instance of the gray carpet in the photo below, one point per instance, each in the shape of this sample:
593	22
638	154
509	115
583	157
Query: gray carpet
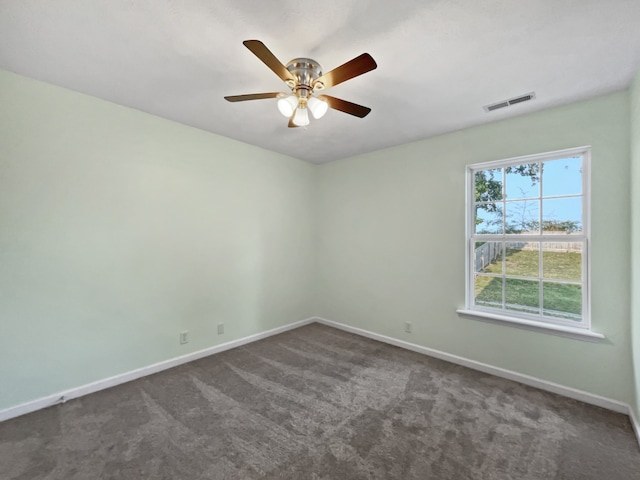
319	403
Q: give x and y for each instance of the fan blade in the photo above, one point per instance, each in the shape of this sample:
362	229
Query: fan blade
252	96
359	65
269	59
291	124
346	107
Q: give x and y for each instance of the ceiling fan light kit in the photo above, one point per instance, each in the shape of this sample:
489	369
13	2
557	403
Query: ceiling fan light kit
303	76
301	117
318	107
287	104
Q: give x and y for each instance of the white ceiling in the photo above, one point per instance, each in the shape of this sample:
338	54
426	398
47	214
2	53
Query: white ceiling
439	61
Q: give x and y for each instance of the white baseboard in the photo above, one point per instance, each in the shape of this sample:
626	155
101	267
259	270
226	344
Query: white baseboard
93	387
563	390
634	422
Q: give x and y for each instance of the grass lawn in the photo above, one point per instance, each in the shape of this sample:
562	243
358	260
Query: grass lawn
559	299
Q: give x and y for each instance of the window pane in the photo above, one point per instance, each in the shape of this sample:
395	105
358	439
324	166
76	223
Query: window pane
522	259
562	177
562	260
488	291
489	219
488	185
522	295
488	257
523	217
562	215
562	300
522	181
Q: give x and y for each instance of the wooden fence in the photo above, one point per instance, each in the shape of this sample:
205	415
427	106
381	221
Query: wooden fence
489	251
486	254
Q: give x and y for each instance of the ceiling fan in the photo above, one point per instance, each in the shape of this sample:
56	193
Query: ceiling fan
305	79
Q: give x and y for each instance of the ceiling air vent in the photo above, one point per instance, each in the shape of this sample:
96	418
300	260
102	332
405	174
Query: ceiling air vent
511	101
496	106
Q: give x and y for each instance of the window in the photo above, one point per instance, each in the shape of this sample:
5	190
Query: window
528	240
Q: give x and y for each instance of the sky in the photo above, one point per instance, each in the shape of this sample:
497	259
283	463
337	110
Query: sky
559	177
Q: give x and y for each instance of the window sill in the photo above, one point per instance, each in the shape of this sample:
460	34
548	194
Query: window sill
561	330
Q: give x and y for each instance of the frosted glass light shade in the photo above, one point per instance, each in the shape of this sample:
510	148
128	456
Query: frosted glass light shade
287	105
318	107
301	118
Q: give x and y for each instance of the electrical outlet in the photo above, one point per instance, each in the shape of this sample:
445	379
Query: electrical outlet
408	327
220	328
184	337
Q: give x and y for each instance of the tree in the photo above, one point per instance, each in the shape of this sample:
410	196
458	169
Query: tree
489	189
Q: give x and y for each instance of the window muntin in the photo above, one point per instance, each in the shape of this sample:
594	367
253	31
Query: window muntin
528	238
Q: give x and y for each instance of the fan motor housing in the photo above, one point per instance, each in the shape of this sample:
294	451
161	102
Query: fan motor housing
306	71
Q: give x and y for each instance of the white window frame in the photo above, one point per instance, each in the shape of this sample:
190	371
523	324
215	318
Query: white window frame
530	321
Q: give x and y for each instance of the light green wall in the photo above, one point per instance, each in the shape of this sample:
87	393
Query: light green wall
635	235
391	244
119	229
